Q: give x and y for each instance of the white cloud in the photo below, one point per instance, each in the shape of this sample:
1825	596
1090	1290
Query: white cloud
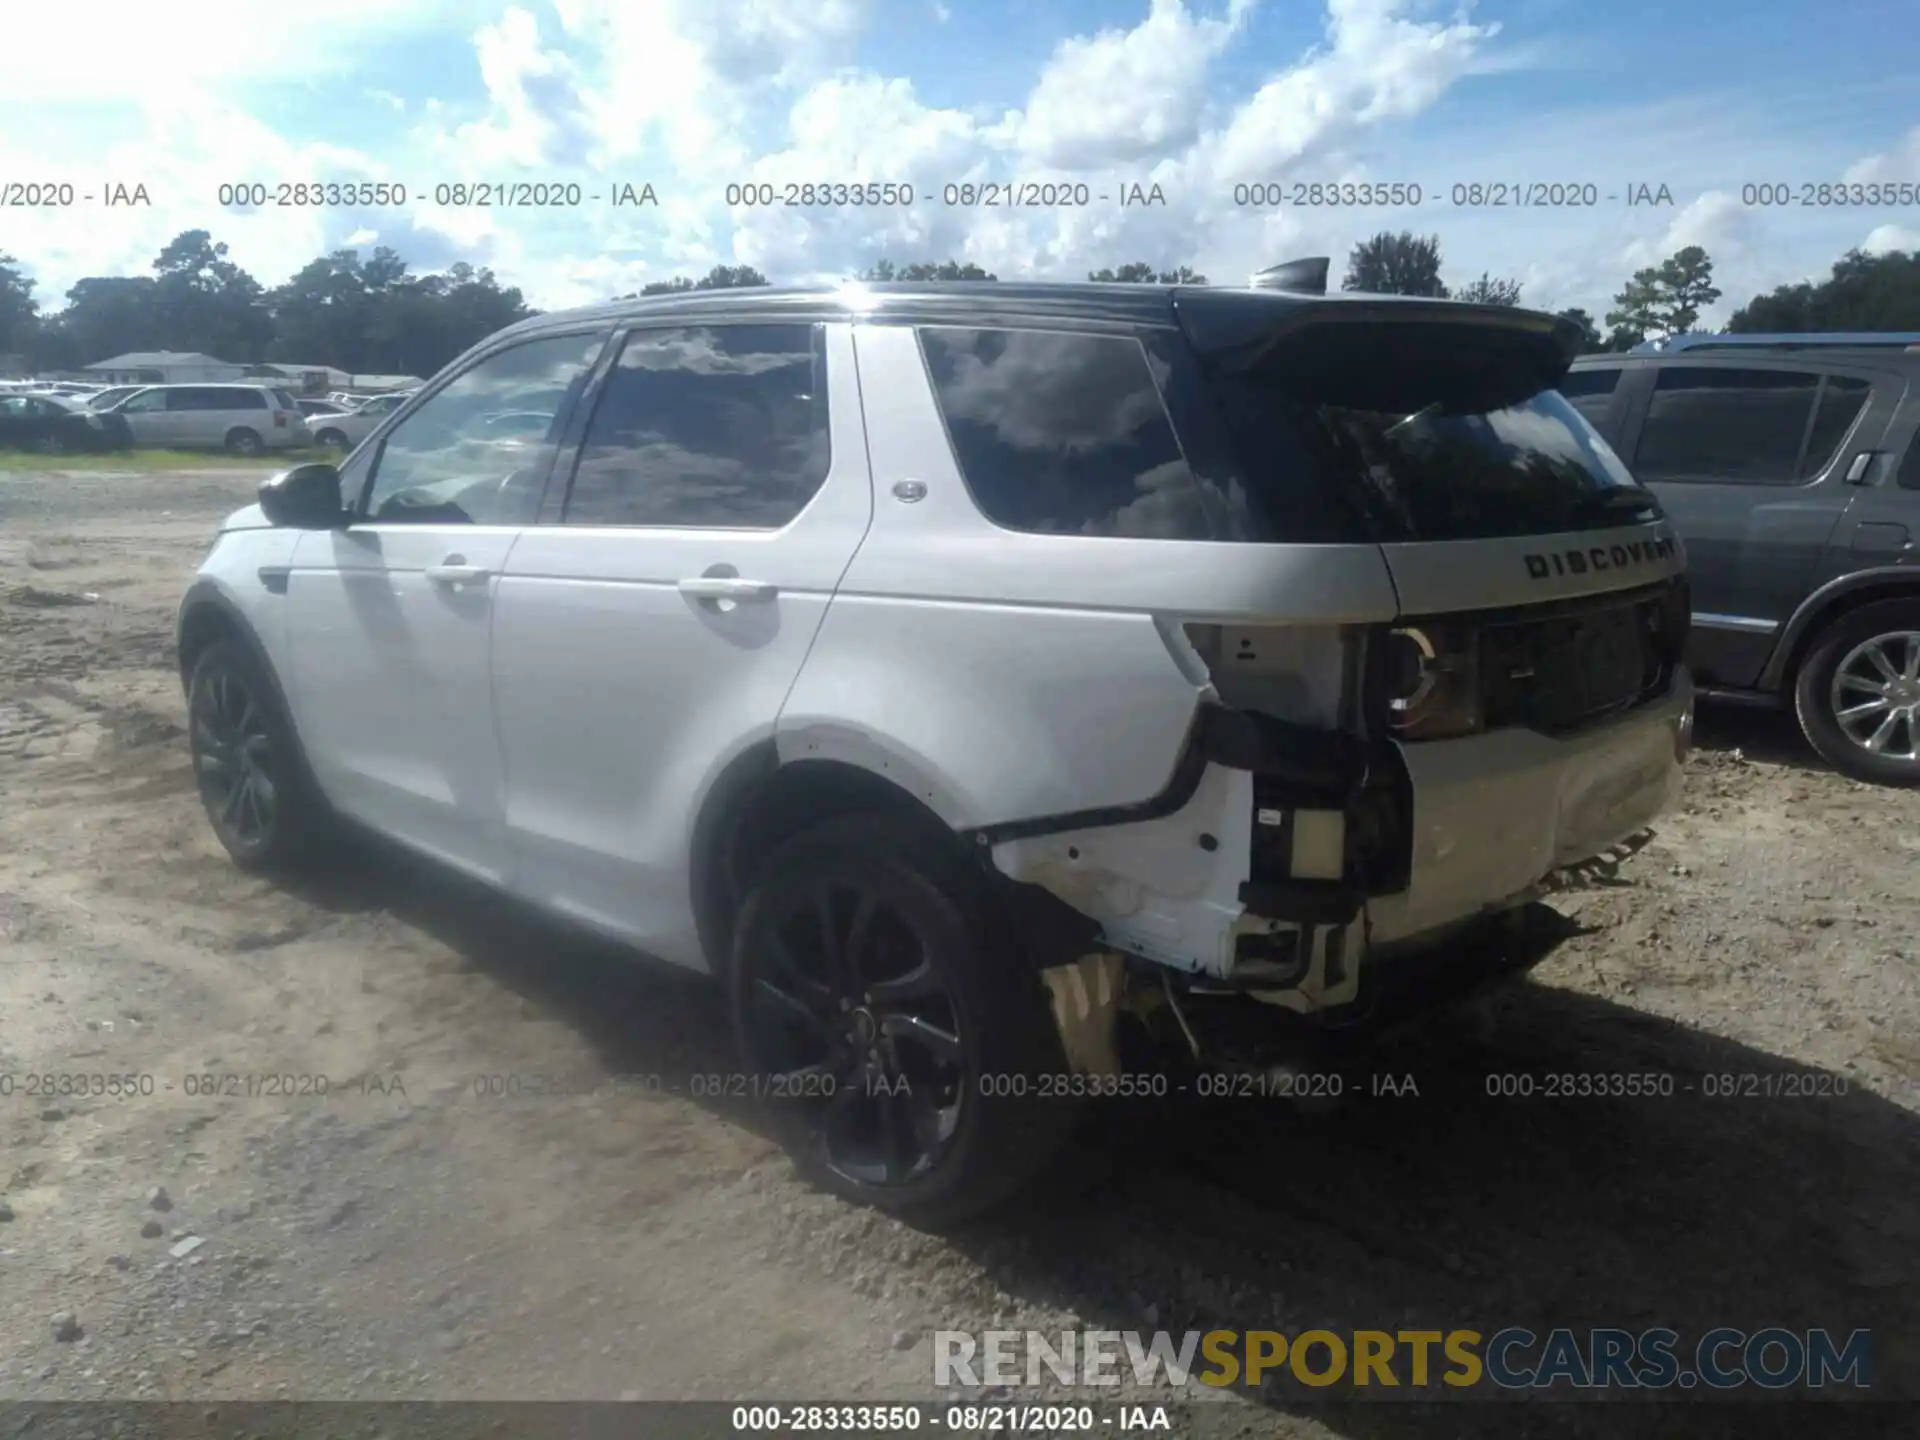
128	51
1900	163
1123	96
692	94
1884	238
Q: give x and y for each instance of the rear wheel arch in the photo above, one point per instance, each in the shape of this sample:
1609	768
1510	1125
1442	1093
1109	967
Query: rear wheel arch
758	803
1820	613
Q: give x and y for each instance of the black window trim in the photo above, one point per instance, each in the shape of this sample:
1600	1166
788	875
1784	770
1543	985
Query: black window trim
376	448
1061	327
559	495
1722	360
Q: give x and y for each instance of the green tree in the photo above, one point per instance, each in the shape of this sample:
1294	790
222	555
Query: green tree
1396	264
1663	300
209	304
882	271
1863	292
1489	291
1139	272
19	312
720	277
1590	340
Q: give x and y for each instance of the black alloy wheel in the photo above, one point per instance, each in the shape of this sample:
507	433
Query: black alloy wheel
233	759
888	1010
849	1022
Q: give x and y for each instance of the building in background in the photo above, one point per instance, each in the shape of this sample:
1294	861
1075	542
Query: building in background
163	367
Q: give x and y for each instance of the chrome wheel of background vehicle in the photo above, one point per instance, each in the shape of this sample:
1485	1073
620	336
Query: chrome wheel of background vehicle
1875	695
51	445
851	1025
243	442
233	759
1857	693
332	439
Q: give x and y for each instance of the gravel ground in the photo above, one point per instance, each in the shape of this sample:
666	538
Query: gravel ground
409	1235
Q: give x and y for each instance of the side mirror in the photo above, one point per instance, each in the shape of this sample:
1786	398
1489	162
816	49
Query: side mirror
306	497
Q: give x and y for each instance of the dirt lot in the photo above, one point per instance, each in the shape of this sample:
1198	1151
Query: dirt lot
408	1235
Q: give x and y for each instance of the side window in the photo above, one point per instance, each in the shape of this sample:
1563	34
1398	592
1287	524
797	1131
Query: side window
1910	467
1842	398
1721	425
147	402
193	397
1063	434
1591	391
446	464
714	428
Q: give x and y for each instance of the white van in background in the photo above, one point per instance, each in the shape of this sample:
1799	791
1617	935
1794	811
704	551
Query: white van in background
244	419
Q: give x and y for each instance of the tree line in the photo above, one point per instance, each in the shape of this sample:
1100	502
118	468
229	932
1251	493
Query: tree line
1863	292
373	315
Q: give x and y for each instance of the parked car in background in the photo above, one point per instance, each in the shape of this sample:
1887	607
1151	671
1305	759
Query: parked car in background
1790	467
969	675
242	419
343	432
311	408
112	395
58	425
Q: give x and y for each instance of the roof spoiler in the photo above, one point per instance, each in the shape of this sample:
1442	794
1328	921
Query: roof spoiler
1297	277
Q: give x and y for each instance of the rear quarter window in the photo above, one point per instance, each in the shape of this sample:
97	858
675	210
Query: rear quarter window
1063	433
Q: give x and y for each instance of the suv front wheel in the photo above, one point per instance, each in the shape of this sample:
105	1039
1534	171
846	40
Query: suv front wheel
247	763
1858	693
902	1041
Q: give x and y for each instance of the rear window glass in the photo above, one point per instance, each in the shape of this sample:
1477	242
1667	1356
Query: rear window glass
1529	469
1323	472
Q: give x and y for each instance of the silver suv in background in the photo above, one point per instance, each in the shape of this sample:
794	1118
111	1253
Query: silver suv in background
990	684
343	432
243	419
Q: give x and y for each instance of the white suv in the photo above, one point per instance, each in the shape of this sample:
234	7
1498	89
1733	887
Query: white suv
970	676
244	419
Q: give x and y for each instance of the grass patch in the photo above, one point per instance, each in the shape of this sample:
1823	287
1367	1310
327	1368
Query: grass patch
145	460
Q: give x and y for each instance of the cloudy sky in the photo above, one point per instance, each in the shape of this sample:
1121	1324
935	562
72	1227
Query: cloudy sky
693	95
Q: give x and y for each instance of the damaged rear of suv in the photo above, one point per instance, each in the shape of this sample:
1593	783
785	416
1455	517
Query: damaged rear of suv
1008	691
1255	641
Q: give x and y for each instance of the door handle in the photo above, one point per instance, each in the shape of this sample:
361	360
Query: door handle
727	587
454	573
1857	471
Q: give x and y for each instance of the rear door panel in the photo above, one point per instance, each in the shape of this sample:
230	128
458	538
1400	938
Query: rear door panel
623	687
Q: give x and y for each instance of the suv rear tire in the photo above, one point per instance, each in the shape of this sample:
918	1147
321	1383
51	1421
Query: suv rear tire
1836	676
871	969
252	777
242	441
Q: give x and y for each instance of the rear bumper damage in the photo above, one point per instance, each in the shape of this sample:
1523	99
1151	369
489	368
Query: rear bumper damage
1288	860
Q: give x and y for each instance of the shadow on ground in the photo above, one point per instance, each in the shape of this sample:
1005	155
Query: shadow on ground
1468	1180
1770	736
